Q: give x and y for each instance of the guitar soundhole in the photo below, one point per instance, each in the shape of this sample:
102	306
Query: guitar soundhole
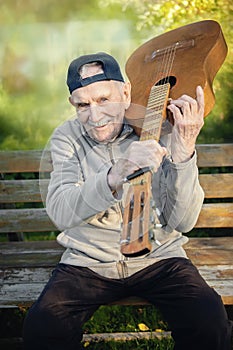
170	79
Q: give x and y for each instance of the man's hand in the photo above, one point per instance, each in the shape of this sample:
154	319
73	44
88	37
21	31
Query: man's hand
188	114
140	154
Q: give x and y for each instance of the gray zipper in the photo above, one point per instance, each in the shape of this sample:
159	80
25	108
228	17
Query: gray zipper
122	269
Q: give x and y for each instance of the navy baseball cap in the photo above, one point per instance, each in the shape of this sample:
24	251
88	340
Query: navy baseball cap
111	70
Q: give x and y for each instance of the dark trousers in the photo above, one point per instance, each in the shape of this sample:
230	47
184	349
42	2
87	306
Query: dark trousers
193	310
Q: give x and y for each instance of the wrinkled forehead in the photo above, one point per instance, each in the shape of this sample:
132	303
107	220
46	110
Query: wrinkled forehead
105	88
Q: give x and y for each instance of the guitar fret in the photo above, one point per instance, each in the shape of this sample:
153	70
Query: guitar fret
154	112
151	124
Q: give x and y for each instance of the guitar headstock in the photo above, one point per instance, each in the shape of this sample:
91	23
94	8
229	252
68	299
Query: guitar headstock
135	239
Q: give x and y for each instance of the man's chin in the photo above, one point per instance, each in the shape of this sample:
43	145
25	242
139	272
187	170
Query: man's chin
103	137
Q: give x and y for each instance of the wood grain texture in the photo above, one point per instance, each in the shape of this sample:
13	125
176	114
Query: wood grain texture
25	161
25	220
209	155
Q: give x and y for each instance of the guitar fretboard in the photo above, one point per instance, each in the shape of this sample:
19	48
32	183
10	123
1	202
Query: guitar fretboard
155	112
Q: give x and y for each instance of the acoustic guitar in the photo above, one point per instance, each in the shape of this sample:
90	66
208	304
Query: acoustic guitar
167	66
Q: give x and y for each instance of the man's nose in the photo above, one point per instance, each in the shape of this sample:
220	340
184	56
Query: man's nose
94	113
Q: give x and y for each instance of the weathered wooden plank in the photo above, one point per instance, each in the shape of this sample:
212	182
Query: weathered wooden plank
17	191
210	256
31	275
202	251
16	343
33	259
20	294
217	185
209	243
215	155
36	220
50	258
25	220
216	215
22	191
217	250
25	161
17	288
210	251
30	247
209	155
125	336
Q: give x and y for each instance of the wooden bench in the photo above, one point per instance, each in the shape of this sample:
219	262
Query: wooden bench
25	266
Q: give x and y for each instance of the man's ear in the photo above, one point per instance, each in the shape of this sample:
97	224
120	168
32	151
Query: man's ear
127	94
71	101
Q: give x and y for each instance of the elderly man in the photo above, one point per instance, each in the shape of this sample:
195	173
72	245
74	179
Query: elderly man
92	156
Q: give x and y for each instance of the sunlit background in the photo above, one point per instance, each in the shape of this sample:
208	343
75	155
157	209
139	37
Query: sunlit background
40	38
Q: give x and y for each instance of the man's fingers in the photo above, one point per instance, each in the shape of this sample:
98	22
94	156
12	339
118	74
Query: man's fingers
189	106
200	100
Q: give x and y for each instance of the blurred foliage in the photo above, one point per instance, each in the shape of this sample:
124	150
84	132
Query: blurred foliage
39	39
23	11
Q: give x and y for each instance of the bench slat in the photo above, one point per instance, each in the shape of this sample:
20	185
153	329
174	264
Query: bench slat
209	155
23	286
217	185
202	251
206	257
25	220
23	191
215	215
24	294
215	155
24	161
36	220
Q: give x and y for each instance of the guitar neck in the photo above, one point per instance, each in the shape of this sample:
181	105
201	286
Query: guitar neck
136	230
155	112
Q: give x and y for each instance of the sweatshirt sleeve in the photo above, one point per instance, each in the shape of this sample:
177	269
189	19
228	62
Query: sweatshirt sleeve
179	195
71	199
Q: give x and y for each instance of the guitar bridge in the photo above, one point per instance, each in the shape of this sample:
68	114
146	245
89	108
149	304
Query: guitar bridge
183	44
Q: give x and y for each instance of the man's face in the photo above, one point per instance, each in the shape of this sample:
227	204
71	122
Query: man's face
101	108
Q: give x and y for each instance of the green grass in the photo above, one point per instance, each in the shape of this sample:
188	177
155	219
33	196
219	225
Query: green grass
121	318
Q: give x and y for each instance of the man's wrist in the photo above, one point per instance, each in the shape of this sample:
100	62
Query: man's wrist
182	158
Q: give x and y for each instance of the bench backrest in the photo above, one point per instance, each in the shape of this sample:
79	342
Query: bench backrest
214	162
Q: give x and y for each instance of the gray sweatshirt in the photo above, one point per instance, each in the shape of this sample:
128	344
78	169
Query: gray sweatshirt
82	206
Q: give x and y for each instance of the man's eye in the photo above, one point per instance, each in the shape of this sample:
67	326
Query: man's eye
103	99
82	105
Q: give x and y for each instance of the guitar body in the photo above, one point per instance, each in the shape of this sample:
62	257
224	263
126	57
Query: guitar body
200	50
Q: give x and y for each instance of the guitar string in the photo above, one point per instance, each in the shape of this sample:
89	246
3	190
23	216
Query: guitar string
156	100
